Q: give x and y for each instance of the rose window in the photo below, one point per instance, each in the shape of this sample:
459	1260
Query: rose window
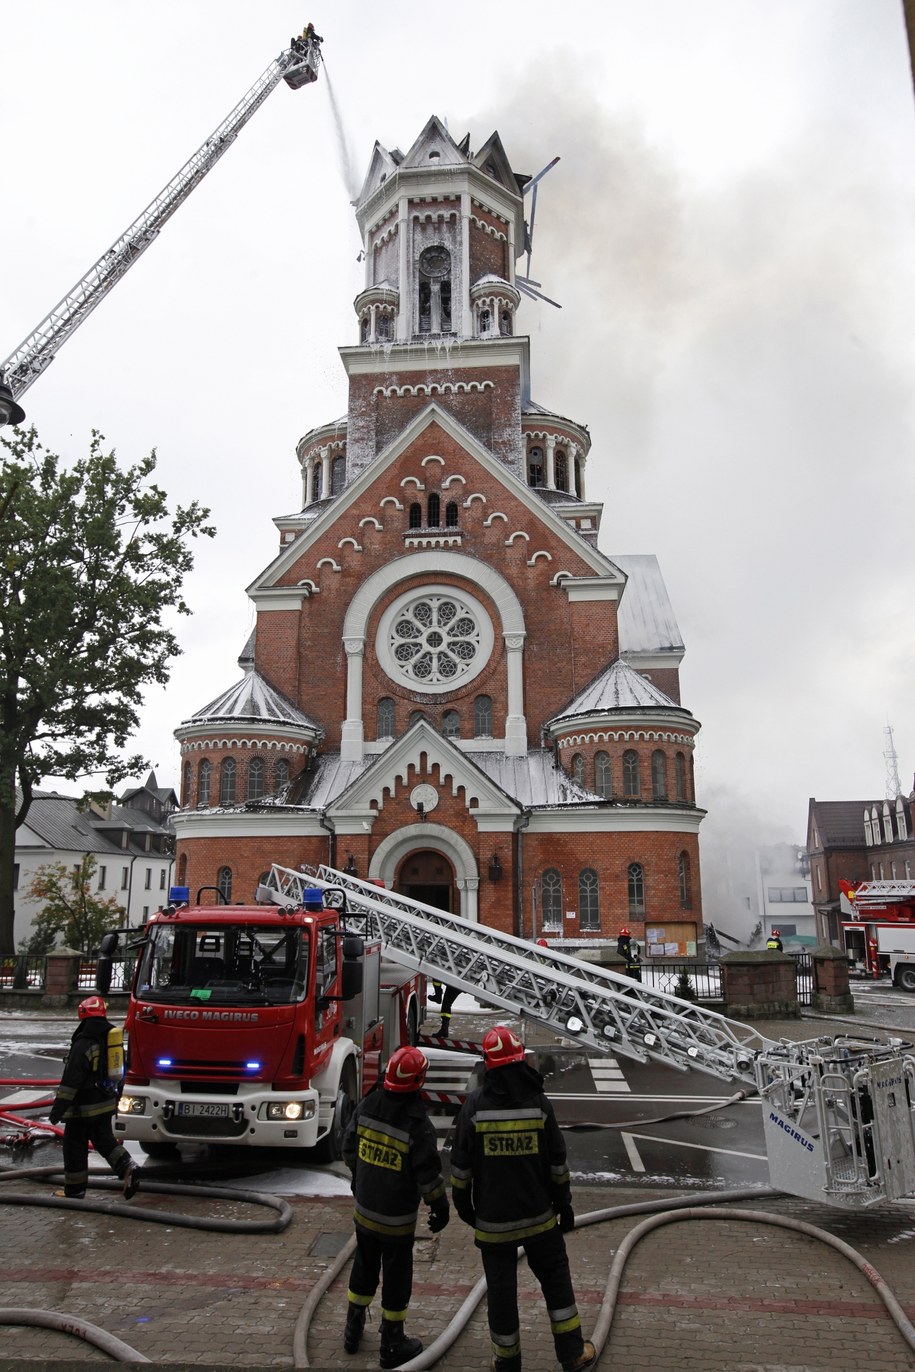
435	640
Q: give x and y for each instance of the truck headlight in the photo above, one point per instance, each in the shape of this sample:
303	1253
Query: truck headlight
132	1105
290	1110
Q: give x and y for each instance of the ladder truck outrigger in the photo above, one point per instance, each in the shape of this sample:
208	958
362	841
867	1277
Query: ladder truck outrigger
838	1112
298	66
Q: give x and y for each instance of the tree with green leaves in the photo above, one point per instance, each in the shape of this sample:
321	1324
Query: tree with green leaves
72	910
92	562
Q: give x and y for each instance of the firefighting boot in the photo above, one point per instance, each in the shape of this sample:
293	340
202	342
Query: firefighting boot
584	1359
355	1324
505	1364
396	1347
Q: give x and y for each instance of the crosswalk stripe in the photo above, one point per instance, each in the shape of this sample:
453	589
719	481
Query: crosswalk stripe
608	1077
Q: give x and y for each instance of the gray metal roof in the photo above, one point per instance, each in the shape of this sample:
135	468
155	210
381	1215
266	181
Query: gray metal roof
330	778
620	687
60	823
533	780
647	623
252	701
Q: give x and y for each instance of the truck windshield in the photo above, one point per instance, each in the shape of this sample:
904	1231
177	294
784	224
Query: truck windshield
223	964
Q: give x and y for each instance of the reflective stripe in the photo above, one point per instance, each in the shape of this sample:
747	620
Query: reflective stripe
506	1234
565	1326
506	1350
393	1316
390	1138
355	1299
387	1228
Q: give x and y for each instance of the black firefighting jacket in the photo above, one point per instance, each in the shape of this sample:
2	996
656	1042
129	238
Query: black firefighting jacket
391	1150
81	1093
509	1176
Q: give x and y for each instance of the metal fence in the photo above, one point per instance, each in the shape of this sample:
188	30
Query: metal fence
121	973
705	978
22	972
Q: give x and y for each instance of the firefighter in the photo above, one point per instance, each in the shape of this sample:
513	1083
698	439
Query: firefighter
625	949
774	943
86	1100
391	1150
510	1181
447	995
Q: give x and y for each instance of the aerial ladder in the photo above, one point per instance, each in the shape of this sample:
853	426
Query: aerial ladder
838	1113
298	66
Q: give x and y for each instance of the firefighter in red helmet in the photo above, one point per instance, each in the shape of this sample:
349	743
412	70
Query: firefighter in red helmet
87	1098
510	1181
391	1149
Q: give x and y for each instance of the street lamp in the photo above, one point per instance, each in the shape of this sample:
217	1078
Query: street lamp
10	411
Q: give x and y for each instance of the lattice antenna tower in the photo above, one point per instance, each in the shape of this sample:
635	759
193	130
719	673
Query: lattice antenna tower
893	785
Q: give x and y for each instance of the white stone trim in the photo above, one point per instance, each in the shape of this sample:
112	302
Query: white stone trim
412	837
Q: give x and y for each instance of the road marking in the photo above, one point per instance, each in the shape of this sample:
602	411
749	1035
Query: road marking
608	1077
702	1147
633	1153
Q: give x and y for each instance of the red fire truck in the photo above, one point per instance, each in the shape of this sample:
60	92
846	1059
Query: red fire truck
880	937
257	1025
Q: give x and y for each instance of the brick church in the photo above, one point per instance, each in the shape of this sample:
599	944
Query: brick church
450	687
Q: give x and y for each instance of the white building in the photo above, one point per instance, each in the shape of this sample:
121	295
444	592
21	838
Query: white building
131	842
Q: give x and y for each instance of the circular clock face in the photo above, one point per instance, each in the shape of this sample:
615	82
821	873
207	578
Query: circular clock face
434	261
435	639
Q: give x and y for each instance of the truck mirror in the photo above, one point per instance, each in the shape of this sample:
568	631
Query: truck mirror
103	966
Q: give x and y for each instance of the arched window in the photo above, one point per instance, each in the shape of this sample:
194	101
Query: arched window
203	782
385	718
364	329
579	483
902	828
588	899
551	899
680	776
561	470
683	877
505	323
632	785
257	771
485	321
451	724
635	878
603	781
186	794
434	517
338	475
227	782
535	467
578	769
887	824
868	831
385	327
451	515
416	515
224	882
658	775
280	774
875	824
482	717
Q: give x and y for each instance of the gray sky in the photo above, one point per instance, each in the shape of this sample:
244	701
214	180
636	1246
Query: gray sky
729	231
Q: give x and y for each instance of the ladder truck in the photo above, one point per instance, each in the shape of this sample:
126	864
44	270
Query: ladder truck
880	938
298	66
838	1113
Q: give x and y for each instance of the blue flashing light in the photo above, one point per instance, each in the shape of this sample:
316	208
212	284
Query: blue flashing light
164	1062
179	895
252	1066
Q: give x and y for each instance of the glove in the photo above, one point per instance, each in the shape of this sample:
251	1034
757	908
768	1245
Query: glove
566	1219
56	1113
439	1216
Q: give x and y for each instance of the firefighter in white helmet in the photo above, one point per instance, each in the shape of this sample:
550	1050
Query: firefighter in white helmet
510	1181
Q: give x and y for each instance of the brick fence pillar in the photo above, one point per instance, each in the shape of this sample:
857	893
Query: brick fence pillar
759	985
61	972
831	990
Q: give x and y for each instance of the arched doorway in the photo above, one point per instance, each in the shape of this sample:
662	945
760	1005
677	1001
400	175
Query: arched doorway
427	876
